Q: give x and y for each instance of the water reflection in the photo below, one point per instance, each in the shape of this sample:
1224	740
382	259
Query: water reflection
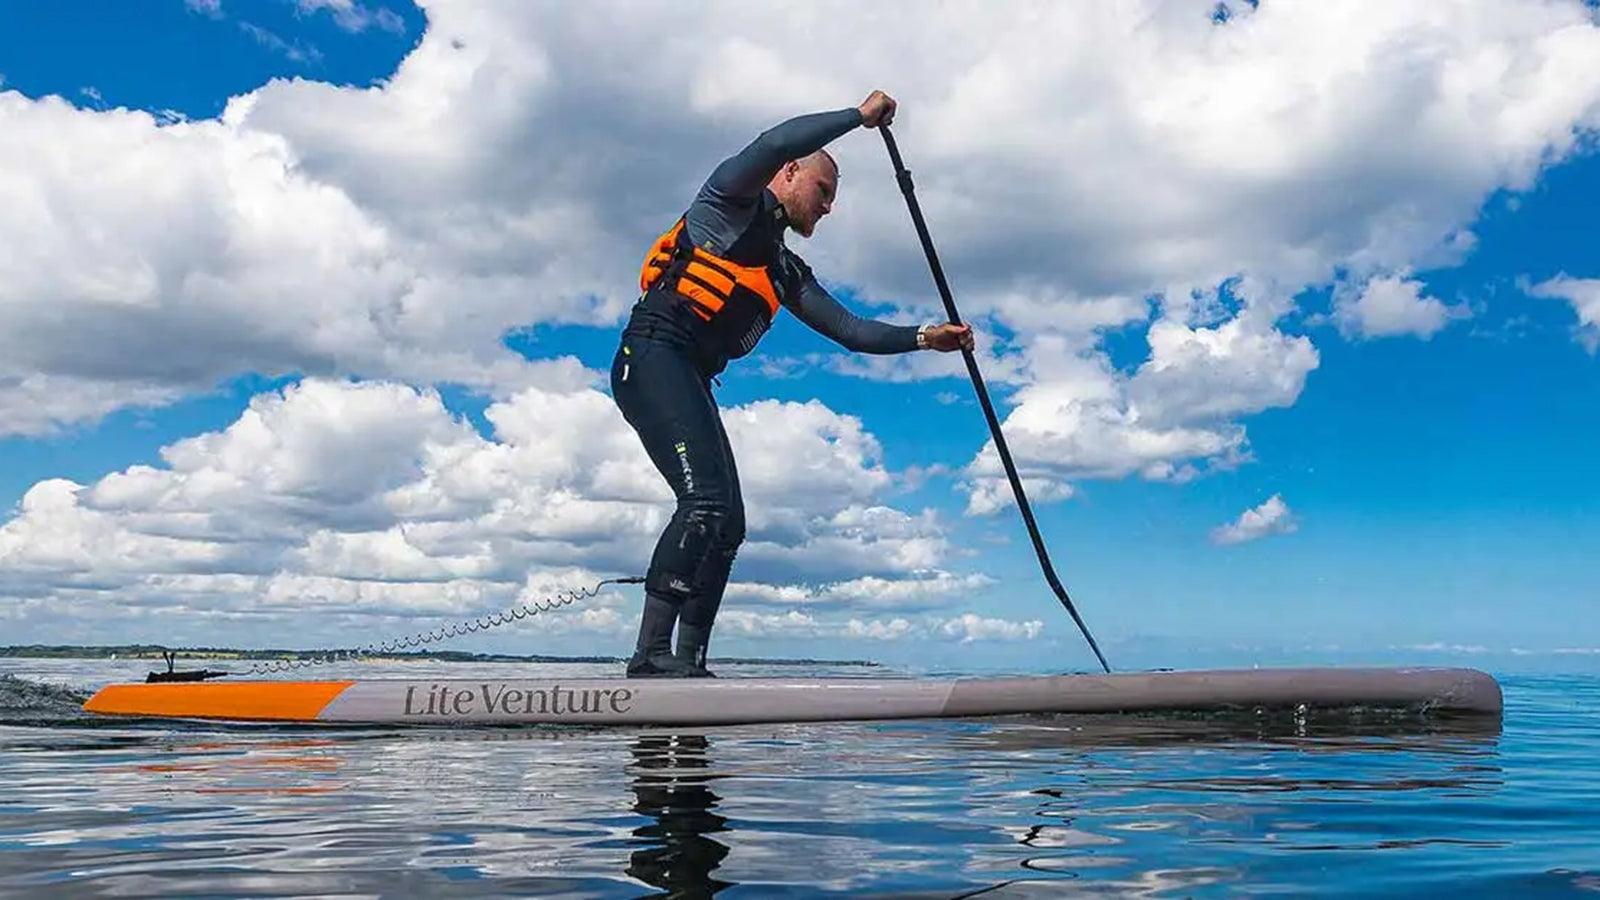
1327	730
671	777
1013	806
1117	788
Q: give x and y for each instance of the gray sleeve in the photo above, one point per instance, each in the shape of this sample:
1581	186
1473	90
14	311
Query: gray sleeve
813	305
744	174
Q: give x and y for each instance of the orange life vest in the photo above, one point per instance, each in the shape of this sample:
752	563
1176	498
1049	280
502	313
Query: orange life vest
737	301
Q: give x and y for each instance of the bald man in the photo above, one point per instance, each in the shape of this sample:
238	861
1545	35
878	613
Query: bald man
712	286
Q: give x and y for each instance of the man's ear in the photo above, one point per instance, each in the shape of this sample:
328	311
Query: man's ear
790	169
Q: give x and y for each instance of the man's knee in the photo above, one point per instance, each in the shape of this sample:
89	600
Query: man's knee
698	531
731	533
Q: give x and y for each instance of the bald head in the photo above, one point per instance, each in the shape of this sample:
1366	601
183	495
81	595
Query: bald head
822	158
805	187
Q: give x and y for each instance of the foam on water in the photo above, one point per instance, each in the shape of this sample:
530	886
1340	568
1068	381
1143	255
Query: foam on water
27	702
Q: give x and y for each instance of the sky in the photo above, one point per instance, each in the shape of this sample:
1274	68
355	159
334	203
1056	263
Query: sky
1291	312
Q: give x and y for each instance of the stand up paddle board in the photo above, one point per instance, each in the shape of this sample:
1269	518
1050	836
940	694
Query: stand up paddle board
616	701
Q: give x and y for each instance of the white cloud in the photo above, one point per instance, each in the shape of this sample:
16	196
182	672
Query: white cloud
1169	421
880	629
294	51
867	592
965	628
990	491
1390	306
1079	167
807	457
971	627
1441	647
371	498
1201	374
38	404
223	269
745	623
1584	295
354	16
1273	516
1071	164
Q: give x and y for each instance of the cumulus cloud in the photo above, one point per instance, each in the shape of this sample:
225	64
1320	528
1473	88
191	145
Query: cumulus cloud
965	628
880	629
871	591
1389	306
792	624
1082	170
1272	517
1168	421
1200	374
1584	295
1072	165
224	269
972	627
372	498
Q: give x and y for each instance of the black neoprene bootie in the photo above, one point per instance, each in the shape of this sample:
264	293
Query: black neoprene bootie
652	656
692	643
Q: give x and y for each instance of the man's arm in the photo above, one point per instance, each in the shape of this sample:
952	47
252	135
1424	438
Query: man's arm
744	174
816	307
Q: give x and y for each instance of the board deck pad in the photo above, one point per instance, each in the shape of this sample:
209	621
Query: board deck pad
670	701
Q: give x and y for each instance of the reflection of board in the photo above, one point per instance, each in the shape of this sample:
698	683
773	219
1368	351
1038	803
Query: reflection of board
615	701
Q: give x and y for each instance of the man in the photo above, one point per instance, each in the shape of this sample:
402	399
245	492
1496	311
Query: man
712	285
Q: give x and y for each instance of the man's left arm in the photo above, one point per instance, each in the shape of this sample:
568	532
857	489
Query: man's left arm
813	305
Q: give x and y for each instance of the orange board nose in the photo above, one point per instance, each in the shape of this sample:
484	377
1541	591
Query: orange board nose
292	701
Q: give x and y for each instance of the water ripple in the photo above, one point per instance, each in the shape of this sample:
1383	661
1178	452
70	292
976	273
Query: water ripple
1007	807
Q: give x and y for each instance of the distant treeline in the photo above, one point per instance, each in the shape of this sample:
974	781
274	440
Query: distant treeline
152	651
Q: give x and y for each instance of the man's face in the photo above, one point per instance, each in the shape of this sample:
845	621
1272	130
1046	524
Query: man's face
815	184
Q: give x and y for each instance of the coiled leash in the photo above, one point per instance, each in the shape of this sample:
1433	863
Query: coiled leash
410	642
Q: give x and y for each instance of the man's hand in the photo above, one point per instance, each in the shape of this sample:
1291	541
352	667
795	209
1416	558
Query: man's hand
877	109
949	337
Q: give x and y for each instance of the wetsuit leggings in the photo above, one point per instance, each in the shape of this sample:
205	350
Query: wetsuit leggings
667	400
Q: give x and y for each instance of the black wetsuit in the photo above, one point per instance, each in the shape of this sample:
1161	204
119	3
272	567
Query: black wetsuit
661	376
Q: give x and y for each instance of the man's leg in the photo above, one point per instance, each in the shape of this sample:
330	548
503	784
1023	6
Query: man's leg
668	403
700	611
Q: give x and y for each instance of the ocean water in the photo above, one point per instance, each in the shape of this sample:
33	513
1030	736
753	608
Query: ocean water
1377	804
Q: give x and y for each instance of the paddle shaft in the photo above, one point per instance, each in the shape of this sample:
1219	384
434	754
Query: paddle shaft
903	176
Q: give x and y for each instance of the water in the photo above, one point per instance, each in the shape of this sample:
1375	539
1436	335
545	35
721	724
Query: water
1021	806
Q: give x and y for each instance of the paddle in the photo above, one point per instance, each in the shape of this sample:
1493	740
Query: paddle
903	175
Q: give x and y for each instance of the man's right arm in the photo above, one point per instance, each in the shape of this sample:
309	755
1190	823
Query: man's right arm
744	174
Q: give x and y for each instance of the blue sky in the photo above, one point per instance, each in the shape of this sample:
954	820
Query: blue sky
1442	486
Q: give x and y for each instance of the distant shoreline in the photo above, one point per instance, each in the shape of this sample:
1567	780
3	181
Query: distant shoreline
154	652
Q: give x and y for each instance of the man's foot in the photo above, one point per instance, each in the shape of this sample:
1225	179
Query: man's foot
692	641
663	665
652	657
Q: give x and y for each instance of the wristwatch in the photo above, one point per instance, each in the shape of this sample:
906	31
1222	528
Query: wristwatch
922	336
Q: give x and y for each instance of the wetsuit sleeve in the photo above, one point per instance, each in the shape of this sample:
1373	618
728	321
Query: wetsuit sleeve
745	173
813	305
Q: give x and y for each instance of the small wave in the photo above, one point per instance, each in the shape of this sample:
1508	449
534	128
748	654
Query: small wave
24	702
